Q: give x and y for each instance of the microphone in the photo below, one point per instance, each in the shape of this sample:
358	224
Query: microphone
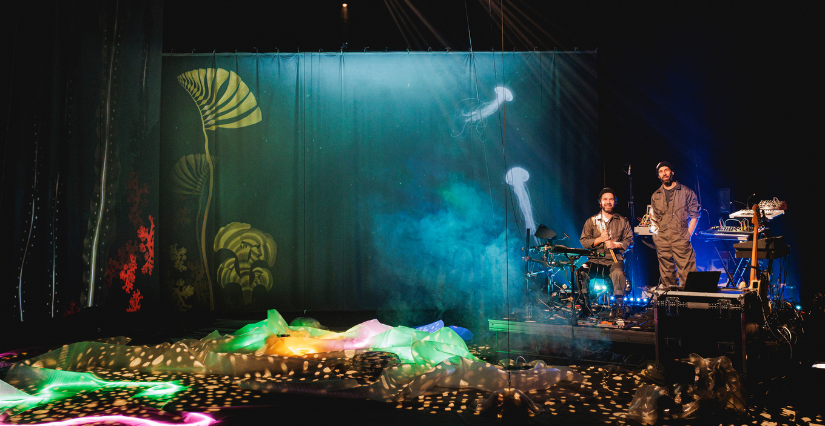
748	202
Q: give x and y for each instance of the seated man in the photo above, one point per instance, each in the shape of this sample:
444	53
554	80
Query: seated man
605	232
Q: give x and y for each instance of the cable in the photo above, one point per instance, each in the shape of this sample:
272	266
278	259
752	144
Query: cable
502	116
475	80
502	131
469	36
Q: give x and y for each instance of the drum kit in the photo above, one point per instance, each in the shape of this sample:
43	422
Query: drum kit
554	295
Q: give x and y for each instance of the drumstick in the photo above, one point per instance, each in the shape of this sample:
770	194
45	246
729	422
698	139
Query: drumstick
613	254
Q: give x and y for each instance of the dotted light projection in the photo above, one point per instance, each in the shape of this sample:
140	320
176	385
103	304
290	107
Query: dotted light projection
270	348
455	386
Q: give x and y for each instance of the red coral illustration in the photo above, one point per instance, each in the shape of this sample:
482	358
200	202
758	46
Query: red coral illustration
127	274
134	196
147	246
134	302
115	266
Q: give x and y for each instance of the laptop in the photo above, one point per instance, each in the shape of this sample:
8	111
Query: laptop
703	281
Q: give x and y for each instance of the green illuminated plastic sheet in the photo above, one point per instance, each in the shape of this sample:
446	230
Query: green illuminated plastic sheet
49	385
427	359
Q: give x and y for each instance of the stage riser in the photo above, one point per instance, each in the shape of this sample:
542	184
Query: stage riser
568	332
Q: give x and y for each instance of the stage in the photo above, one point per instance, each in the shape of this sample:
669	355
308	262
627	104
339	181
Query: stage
318	389
253	214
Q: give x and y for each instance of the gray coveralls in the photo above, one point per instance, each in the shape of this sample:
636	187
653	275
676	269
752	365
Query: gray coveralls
673	242
619	230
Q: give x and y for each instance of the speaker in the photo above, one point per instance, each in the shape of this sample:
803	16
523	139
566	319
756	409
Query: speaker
723	198
707	324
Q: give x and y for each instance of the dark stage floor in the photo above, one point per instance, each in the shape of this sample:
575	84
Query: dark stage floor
784	395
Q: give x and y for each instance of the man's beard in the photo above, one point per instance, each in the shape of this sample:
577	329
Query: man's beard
607	209
666	181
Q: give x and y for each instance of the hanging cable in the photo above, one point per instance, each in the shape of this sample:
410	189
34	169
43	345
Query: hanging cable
502	120
472	53
474	72
304	152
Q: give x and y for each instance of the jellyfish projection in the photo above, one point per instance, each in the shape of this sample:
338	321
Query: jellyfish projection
517	179
474	114
488	108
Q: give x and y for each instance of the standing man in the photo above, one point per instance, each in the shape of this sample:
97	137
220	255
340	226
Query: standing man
606	231
675	214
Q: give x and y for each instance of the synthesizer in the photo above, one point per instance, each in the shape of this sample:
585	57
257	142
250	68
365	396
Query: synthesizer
771	208
728	233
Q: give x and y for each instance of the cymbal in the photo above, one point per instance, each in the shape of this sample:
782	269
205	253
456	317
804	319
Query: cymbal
545	233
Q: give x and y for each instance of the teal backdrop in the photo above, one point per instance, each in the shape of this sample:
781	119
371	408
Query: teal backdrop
368	181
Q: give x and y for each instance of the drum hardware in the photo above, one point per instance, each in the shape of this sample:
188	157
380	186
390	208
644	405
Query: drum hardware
550	258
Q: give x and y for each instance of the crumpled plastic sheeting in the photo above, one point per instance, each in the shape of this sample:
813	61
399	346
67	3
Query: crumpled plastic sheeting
509	402
462	332
463	373
716	387
409	381
427	359
9	391
47	386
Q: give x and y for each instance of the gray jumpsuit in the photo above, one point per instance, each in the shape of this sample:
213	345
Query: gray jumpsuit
601	263
673	246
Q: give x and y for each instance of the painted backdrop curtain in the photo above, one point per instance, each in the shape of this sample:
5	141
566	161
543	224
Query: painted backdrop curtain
368	181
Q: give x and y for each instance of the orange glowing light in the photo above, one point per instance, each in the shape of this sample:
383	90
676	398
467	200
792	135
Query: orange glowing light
344	5
303	351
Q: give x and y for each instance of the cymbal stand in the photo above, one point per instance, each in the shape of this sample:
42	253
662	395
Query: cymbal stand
573	288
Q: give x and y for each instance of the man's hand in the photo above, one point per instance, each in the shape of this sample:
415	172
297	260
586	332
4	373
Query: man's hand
692	226
612	244
600	240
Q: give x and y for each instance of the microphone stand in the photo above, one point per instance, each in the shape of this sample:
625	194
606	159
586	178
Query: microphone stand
632	269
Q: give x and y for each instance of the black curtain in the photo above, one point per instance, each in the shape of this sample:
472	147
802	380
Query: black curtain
79	176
